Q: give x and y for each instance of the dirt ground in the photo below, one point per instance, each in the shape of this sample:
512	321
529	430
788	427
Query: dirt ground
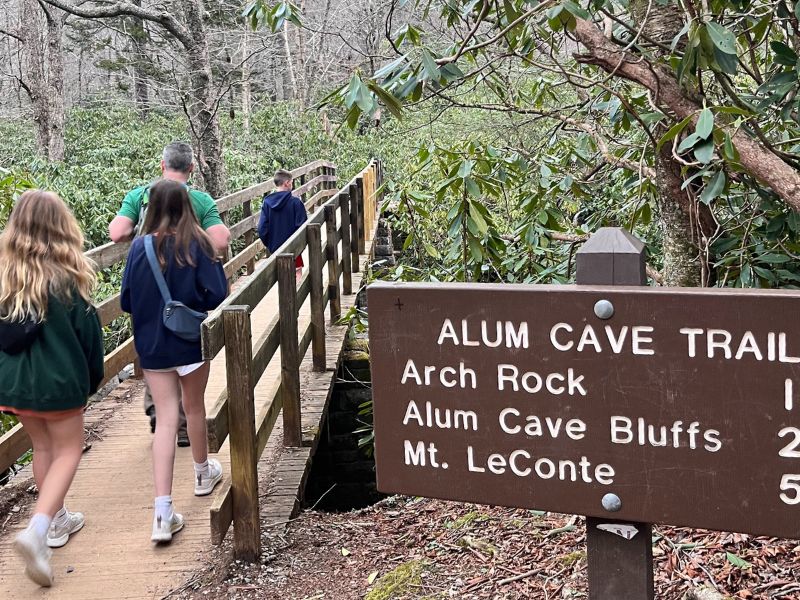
405	548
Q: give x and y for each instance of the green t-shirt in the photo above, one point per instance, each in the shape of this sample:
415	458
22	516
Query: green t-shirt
204	206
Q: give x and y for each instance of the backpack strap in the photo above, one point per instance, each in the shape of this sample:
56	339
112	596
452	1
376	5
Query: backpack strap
143	200
150	251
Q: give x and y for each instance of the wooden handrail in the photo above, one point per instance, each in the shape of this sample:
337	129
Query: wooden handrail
283	333
230	201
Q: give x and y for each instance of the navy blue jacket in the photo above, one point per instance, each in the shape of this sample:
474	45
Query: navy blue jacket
281	215
201	288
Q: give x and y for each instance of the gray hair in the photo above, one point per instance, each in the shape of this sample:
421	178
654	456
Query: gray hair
178	156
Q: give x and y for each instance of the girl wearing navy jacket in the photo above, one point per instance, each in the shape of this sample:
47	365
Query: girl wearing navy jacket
171	364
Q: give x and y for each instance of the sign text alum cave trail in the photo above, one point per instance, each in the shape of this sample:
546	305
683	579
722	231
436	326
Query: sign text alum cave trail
683	404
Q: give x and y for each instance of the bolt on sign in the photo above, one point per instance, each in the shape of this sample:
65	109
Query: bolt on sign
663	405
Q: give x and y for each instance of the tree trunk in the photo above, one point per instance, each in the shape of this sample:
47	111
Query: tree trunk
246	79
44	85
289	66
141	37
55	84
33	75
202	105
686	225
301	70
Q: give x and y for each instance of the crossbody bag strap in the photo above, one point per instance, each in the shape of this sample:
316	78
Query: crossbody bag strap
156	268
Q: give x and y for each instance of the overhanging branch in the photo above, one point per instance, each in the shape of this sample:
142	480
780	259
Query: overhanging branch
119	9
753	156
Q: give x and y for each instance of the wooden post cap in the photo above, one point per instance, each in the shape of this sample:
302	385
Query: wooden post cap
612	256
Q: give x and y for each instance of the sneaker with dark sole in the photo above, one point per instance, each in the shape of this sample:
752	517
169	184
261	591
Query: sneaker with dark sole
204	484
183	439
36	554
59	533
164	529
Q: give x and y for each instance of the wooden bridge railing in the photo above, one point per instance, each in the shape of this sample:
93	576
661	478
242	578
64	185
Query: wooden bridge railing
347	219
317	180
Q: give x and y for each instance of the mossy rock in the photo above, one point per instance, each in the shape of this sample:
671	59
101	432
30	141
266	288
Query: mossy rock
397	581
572	557
358	344
356	358
468	519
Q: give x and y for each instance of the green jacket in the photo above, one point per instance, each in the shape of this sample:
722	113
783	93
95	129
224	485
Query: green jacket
62	367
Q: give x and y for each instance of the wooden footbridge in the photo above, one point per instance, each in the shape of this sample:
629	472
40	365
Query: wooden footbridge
274	357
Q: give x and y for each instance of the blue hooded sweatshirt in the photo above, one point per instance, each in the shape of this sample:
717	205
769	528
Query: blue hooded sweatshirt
202	288
281	215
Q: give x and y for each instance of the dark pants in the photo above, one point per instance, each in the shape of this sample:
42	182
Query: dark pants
148	405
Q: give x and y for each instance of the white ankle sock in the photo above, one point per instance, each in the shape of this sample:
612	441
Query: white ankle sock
163	505
61	515
201	468
40	523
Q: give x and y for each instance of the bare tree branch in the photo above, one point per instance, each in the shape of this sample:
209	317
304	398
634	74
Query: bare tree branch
12	34
118	9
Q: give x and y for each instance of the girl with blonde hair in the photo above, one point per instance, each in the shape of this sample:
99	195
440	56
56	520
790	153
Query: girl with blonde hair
51	359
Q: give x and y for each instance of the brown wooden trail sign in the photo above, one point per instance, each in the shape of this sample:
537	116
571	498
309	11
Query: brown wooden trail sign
683	404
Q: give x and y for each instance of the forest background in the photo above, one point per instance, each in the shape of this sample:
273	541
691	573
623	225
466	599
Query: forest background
511	130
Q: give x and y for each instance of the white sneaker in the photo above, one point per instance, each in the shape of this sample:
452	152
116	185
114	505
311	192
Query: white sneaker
203	484
163	529
59	533
36	555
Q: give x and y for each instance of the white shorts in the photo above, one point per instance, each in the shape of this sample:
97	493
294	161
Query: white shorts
182	371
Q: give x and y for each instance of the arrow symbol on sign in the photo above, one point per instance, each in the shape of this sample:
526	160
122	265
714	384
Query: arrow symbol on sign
788	395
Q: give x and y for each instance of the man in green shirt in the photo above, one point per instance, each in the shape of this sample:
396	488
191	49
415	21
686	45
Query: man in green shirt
177	164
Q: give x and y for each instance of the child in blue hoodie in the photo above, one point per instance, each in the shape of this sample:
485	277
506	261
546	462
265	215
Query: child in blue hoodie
173	367
281	214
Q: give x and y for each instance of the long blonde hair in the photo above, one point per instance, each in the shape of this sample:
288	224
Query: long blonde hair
41	253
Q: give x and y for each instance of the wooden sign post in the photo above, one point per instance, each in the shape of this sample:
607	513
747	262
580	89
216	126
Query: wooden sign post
619	568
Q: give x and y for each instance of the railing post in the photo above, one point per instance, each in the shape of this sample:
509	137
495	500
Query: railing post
333	263
362	240
243	446
367	201
302	183
354	256
317	307
249	236
380	179
332	171
347	265
290	352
